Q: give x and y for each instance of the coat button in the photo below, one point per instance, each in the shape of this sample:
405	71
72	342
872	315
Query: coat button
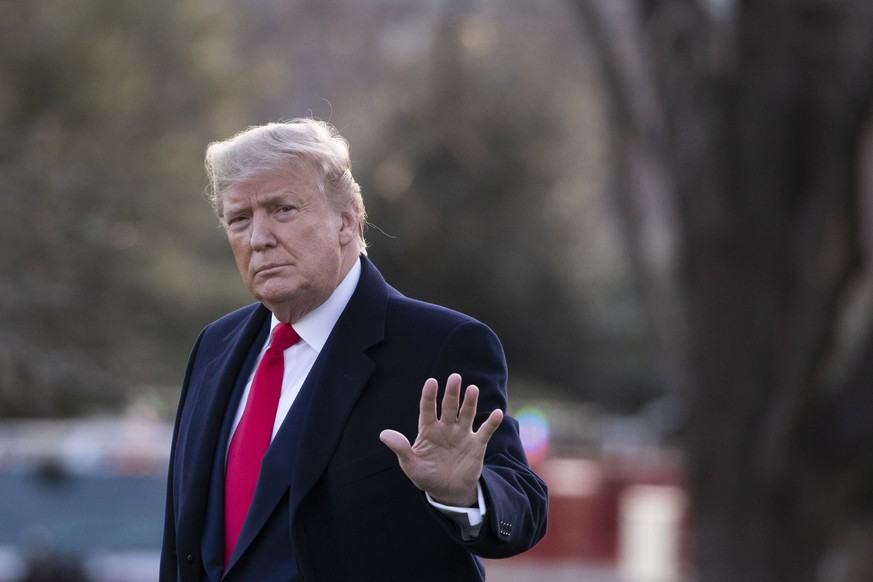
190	558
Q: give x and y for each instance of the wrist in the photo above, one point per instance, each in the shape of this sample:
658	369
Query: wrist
467	499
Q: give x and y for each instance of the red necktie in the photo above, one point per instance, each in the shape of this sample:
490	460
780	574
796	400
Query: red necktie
253	435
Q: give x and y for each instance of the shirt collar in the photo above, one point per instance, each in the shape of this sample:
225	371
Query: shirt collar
315	327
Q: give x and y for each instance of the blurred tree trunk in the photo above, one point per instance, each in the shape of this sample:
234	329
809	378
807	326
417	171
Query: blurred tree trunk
740	133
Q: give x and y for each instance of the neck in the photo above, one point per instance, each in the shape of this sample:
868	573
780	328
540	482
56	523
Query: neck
291	312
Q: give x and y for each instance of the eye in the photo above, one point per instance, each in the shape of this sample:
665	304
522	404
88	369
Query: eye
286	210
237	221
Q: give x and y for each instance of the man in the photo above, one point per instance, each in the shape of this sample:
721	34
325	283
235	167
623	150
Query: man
291	453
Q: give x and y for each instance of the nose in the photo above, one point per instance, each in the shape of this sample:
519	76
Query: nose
262	233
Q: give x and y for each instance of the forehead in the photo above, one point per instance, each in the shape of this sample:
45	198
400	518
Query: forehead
264	188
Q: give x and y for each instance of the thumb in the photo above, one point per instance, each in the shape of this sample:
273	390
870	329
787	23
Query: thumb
396	442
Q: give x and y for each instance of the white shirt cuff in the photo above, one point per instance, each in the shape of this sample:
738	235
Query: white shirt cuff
468	518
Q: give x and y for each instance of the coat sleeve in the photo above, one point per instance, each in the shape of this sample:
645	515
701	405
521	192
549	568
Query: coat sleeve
516	498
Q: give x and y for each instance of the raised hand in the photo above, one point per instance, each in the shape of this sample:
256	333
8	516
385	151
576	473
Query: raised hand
446	458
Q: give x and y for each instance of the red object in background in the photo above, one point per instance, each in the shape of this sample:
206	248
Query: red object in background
584	497
582	512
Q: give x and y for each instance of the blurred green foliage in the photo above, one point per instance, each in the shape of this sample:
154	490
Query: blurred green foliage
479	156
105	111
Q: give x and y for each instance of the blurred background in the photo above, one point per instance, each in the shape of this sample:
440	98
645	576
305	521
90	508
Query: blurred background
660	206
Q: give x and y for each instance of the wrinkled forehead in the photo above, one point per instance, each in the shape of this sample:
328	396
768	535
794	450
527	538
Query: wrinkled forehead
289	168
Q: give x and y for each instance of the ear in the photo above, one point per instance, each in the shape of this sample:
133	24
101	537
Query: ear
348	225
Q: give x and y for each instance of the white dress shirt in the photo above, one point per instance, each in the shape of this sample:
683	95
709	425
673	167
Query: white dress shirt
314	329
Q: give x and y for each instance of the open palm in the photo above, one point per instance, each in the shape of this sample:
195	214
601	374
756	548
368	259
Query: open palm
446	458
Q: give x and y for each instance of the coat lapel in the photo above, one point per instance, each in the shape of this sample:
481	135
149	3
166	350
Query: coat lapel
319	413
208	409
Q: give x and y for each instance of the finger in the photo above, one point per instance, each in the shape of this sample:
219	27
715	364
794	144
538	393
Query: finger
468	408
427	413
397	443
451	398
489	427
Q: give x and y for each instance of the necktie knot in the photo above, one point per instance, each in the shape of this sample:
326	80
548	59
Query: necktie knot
284	337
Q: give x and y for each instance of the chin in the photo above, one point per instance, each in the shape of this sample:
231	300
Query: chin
283	294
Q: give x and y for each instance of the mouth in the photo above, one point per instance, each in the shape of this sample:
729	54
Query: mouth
268	270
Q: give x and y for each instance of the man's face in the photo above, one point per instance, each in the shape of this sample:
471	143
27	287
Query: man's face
291	248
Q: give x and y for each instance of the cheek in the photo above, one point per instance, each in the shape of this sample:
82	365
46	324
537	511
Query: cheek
241	255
